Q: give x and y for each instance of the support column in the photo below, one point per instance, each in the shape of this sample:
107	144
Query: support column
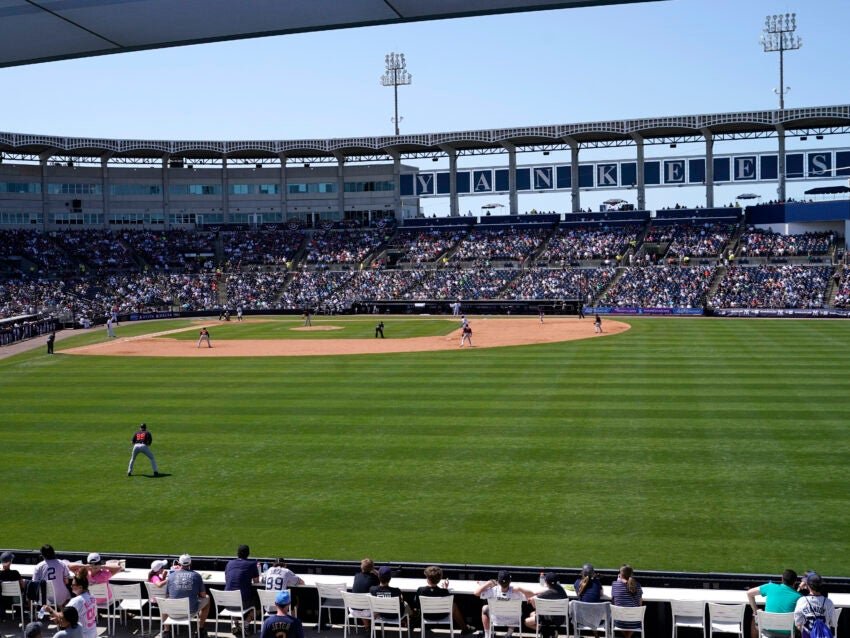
709	167
104	178
575	195
225	190
396	156
513	200
282	186
340	184
42	160
780	164
640	171
166	203
454	207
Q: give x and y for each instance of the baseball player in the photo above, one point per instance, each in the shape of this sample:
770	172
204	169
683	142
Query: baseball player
238	313
466	335
141	441
379	330
110	331
204	336
307	319
540	313
597	324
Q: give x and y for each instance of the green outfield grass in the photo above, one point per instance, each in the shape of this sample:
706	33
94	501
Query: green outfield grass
680	444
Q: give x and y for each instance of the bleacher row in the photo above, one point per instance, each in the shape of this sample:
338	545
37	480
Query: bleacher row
662	264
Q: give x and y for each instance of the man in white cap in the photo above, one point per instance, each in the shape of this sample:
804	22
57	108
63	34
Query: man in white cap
187	583
282	624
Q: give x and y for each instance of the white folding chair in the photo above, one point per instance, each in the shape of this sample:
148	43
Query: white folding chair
228	604
103	594
726	619
556	608
128	598
389	611
330	597
504	613
154	592
176	613
440	610
267	604
769	622
627	617
590	617
357	607
689	614
12	589
834	624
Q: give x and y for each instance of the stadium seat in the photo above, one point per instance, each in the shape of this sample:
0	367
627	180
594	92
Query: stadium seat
688	614
590	617
387	611
103	593
834	624
228	605
154	592
552	607
128	598
769	622
436	605
627	615
726	619
12	589
357	607
504	613
177	614
330	597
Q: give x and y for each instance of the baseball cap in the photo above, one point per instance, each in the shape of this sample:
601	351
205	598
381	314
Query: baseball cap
33	630
385	572
7	557
185	559
94	559
143	426
587	570
158	565
283	598
551	578
504	577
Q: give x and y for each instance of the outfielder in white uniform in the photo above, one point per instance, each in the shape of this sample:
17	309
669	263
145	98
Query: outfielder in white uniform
141	441
110	331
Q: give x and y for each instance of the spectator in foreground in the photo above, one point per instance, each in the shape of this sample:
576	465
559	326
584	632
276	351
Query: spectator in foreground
8	575
241	574
433	575
588	586
187	583
366	578
282	624
814	606
158	575
626	592
56	571
384	590
779	598
502	589
69	624
548	624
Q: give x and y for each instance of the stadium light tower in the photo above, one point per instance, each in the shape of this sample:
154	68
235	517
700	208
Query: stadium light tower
778	35
396	75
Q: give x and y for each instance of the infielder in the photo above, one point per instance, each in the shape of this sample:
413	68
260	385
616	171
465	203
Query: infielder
204	336
141	445
466	335
110	331
597	324
238	313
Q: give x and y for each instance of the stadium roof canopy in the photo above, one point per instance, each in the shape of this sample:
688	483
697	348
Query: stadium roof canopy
659	130
43	30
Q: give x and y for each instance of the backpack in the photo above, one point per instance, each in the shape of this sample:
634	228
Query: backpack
820	629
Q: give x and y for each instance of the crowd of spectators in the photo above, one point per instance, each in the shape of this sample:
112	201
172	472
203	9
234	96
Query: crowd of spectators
575	243
174	250
314	289
252	290
767	286
551	283
504	244
41	250
468	283
375	285
97	250
260	247
758	242
342	247
660	287
698	240
842	294
425	246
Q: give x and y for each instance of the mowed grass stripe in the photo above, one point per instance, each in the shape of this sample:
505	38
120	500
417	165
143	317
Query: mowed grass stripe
672	446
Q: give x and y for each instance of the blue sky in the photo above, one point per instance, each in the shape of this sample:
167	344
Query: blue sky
651	59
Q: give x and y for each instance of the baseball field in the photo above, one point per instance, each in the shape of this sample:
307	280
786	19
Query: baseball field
682	444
